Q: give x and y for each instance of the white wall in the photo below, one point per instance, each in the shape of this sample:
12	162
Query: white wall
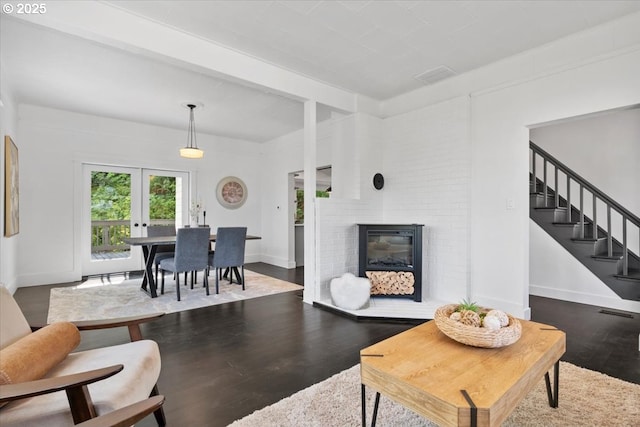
336	217
427	172
284	155
52	145
337	240
8	245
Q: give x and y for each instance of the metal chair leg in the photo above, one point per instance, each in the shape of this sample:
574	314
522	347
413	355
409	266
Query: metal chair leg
178	285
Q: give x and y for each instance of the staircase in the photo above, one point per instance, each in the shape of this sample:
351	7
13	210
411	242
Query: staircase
593	244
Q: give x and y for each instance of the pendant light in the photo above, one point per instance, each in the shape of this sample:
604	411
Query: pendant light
191	151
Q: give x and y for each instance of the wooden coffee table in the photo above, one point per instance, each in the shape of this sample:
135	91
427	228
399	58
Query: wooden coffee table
454	384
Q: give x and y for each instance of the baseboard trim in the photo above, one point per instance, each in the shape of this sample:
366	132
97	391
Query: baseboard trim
582	298
278	262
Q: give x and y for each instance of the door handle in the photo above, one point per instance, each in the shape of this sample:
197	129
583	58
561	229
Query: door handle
135	224
144	224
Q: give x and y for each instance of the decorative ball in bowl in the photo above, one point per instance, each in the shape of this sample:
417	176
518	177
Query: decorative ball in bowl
476	326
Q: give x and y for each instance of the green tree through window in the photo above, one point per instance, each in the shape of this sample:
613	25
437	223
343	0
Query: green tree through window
111	201
162	198
299	219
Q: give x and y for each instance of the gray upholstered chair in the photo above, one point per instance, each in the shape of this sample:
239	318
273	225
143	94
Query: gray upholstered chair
229	253
163	251
36	367
192	254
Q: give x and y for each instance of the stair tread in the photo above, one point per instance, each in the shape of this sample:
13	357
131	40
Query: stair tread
633	275
616	256
562	208
585	240
540	193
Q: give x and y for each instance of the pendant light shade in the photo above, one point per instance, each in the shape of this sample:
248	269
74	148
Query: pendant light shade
191	151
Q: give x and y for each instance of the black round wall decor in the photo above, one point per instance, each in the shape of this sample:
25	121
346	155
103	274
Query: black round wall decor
378	181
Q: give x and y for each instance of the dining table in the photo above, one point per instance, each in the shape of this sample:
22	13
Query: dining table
149	248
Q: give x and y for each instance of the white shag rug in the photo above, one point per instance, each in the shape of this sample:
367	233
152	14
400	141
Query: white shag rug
95	300
586	398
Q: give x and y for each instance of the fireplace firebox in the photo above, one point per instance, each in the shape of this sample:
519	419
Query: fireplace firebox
390	256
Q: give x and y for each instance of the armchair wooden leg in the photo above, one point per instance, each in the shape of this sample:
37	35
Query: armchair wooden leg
80	403
206	283
162	284
242	270
217	290
159	413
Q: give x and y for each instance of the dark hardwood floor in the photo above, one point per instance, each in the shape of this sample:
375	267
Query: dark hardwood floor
223	362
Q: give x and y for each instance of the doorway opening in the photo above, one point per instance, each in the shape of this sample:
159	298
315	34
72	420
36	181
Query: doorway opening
323	189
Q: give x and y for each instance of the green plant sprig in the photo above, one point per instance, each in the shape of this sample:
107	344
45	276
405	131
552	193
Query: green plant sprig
468	305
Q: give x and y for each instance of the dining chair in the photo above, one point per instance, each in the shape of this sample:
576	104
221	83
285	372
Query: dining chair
163	251
229	253
192	254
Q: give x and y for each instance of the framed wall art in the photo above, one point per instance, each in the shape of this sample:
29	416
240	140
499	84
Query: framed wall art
11	189
231	192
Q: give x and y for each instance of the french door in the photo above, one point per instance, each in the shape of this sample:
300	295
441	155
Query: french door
121	202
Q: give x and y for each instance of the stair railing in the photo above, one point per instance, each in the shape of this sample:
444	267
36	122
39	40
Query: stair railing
627	216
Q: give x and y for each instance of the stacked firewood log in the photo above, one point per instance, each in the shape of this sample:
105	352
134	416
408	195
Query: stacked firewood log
391	282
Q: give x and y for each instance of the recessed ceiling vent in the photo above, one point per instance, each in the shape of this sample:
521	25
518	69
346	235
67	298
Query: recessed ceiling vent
434	75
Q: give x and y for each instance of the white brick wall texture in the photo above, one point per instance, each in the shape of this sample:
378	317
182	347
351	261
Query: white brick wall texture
426	164
427	179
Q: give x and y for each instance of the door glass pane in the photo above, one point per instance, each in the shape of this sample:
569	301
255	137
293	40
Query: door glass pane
110	215
162	200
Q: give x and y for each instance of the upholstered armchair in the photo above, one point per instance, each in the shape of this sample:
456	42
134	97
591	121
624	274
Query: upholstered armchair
35	366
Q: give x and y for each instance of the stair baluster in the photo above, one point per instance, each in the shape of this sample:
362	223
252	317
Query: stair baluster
625	255
594	225
544	183
534	181
568	198
609	234
581	211
557	193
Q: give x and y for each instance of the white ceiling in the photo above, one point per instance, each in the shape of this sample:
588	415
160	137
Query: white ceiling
374	48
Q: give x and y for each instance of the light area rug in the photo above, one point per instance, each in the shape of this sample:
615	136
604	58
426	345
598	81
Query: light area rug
586	398
96	300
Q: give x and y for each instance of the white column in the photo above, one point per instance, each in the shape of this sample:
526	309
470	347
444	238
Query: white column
310	142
